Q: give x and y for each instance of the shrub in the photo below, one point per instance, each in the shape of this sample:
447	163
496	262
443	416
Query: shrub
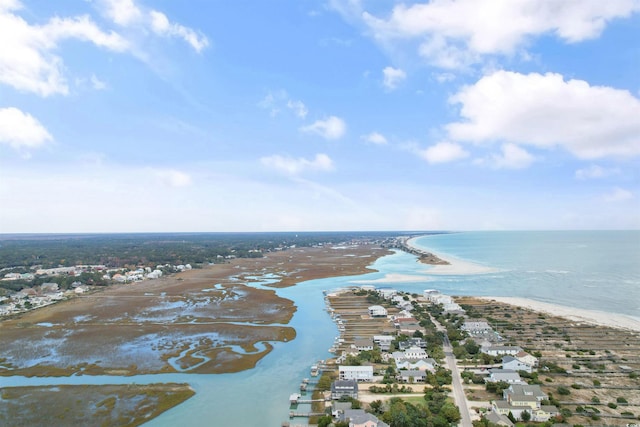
563	391
612	405
621	400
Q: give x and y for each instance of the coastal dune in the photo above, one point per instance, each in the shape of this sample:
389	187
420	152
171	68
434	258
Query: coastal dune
601	318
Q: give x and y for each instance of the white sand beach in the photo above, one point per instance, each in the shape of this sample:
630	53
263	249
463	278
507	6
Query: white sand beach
456	266
395	278
602	318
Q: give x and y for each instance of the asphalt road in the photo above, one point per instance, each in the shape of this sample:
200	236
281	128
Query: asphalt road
458	392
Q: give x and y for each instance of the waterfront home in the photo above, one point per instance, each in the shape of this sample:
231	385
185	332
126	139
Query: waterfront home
504	375
510	362
363	344
360	418
377	311
344	388
356	373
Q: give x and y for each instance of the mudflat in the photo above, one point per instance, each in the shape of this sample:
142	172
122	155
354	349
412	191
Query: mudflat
201	321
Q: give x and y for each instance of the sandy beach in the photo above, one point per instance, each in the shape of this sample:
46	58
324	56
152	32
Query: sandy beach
456	266
612	320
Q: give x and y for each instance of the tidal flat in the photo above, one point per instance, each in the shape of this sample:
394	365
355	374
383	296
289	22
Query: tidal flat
218	319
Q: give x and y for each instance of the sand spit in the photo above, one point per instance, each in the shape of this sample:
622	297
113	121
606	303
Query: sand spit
455	266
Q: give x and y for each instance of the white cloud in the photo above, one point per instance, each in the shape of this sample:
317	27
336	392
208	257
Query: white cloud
298	108
375	138
331	128
456	31
161	25
276	101
122	12
595	172
546	112
27	61
97	84
127	14
618	195
443	152
292	166
173	178
393	77
21	130
511	157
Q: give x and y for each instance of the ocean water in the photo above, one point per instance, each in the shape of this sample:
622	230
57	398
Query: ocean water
596	270
592	270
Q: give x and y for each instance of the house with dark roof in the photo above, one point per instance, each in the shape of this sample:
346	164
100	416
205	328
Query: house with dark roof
344	388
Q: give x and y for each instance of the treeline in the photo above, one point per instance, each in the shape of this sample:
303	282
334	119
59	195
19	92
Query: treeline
120	250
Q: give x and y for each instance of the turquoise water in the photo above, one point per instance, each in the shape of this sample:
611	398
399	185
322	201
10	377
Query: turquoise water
597	270
593	270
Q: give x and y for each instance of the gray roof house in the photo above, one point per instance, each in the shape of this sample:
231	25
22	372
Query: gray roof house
344	388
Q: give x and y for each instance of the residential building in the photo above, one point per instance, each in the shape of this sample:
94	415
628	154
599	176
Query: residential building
357	373
510	362
344	388
377	311
504	375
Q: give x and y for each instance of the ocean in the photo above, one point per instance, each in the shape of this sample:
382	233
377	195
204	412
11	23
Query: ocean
590	270
595	270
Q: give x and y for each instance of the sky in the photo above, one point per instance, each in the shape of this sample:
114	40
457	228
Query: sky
300	115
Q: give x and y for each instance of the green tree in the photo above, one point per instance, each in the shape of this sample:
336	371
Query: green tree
526	416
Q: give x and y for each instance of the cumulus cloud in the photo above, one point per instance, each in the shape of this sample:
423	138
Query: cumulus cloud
452	32
122	12
293	166
392	77
546	111
375	138
21	130
331	128
443	152
595	172
173	178
27	59
618	195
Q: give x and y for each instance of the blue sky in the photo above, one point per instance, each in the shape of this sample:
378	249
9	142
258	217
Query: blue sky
130	115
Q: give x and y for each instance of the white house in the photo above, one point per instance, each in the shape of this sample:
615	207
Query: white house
500	350
510	362
377	311
357	373
525	357
415	353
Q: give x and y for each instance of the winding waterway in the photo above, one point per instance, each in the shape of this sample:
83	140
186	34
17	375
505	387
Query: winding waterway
260	396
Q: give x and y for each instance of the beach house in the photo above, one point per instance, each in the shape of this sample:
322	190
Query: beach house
356	373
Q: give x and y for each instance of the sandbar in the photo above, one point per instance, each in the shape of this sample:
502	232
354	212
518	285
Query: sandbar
455	266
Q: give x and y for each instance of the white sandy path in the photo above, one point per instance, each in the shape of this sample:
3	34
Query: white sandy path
612	320
456	266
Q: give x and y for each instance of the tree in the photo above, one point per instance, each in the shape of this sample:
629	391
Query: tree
324	421
376	406
526	416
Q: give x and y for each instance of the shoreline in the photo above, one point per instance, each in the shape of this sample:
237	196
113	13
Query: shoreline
601	318
455	266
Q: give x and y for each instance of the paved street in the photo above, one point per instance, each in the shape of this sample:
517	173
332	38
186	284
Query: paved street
458	392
